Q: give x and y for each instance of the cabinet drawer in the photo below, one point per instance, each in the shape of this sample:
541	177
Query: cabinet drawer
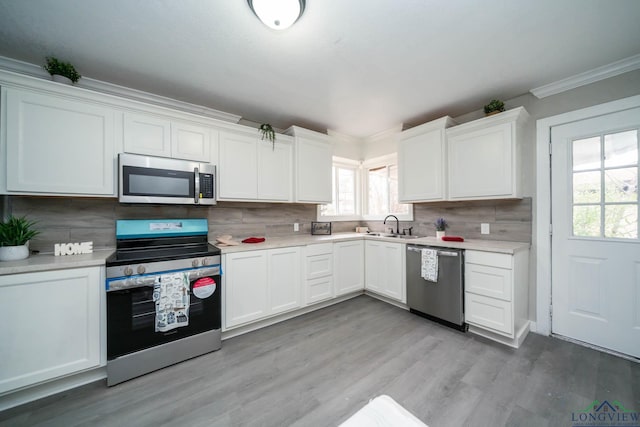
319	266
319	289
489	281
489	258
489	313
322	248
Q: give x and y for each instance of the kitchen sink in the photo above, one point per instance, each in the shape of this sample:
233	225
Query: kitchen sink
393	235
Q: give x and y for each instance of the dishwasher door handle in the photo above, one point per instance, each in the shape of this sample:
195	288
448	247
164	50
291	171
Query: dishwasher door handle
440	253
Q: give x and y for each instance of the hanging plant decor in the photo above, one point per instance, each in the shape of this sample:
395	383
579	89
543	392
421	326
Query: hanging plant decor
268	133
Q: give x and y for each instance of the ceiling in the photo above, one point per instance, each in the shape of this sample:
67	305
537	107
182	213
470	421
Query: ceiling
357	67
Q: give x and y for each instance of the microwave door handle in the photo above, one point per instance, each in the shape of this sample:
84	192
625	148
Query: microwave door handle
196	196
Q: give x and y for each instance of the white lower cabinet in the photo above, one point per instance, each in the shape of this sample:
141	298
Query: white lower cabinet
259	284
385	269
348	267
318	272
496	295
52	325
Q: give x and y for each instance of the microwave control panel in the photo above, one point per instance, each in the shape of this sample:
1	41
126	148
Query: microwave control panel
206	186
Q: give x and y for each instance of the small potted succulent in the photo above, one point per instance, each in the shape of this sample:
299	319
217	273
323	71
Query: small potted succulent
62	72
494	107
15	234
268	133
441	225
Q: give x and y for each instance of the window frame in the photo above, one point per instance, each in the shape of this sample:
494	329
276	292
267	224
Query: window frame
361	191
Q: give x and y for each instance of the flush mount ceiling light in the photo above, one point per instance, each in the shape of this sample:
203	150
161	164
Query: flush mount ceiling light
277	14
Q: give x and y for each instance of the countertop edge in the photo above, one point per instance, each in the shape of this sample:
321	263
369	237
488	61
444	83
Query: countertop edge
499	246
49	262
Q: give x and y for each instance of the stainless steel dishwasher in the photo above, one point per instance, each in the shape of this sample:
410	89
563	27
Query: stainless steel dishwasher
443	300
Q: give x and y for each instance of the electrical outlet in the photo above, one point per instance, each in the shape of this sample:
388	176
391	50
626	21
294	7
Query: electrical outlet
296	226
484	228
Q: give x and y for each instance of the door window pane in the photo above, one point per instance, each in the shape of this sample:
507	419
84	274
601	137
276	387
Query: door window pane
586	221
586	187
621	149
586	154
621	221
605	186
621	185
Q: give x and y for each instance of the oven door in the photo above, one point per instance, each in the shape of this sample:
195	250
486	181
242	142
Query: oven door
131	312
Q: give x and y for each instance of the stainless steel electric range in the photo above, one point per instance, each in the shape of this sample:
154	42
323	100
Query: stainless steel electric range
163	296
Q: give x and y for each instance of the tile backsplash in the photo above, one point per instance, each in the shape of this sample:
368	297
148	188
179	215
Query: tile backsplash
66	219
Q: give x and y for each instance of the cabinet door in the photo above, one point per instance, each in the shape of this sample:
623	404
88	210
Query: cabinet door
52	325
275	171
247	289
58	146
385	269
348	267
190	142
147	134
313	171
421	162
238	167
375	270
285	279
481	163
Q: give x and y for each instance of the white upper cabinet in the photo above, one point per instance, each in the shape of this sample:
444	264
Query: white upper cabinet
57	145
422	160
252	169
313	162
158	136
484	157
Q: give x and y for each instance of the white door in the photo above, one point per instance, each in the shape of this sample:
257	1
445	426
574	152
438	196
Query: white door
595	246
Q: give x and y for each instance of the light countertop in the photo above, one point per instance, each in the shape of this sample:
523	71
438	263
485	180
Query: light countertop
48	262
303	240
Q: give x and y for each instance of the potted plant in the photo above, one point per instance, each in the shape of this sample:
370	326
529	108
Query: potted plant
62	72
15	234
494	107
268	133
441	225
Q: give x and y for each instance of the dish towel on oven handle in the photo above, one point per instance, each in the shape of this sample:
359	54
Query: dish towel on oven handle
429	265
171	295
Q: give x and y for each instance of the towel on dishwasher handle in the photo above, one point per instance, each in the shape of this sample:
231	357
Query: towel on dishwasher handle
429	265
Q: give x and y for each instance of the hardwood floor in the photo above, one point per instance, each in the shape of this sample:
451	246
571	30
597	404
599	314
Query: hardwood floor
320	368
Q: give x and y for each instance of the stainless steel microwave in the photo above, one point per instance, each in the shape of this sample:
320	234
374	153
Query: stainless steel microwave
147	179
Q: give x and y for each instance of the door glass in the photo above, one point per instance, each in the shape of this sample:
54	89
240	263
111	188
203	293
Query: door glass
605	186
621	149
586	154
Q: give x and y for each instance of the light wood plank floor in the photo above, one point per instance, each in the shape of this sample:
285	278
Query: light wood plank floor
318	369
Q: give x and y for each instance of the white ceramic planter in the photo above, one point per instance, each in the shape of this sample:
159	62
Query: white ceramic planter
14	253
61	79
440	234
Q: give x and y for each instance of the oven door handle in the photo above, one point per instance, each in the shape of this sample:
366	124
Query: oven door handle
150	280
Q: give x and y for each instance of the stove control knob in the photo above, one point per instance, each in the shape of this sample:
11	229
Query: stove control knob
128	271
141	269
195	263
206	261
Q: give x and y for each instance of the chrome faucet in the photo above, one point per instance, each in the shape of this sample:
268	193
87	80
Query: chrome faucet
397	222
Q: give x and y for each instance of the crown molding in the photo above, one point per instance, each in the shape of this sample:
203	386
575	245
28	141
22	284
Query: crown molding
33	70
588	77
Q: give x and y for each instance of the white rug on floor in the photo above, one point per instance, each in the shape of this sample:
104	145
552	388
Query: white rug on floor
383	411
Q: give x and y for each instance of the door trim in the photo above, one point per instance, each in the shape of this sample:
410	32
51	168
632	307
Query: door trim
542	220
